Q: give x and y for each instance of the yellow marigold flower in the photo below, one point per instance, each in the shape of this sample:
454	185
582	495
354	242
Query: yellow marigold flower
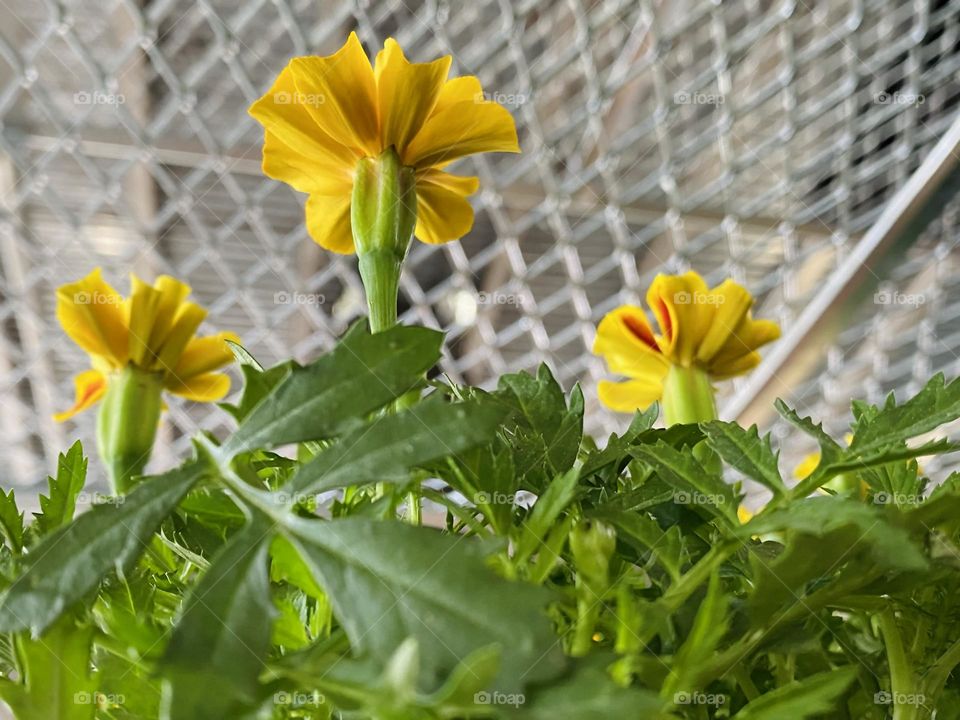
707	330
152	330
324	115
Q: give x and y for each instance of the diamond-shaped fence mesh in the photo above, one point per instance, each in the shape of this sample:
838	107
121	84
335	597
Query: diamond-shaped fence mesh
750	138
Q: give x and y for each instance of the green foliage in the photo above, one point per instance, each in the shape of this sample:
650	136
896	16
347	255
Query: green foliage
369	545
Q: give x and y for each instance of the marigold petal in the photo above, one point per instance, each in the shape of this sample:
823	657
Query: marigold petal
407	93
626	341
461	129
736	366
303	173
328	222
744	341
732	302
682	306
209	387
142	308
443	212
457	90
185	323
340	93
91	314
630	395
204	354
89	387
281	112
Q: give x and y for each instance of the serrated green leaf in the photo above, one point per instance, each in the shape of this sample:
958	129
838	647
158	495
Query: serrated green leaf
58	508
389	581
823	534
746	451
389	446
363	373
558	495
640	529
695	485
257	384
69	563
936	404
11	521
56	683
815	696
587	694
220	642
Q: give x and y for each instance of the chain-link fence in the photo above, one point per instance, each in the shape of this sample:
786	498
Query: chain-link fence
751	138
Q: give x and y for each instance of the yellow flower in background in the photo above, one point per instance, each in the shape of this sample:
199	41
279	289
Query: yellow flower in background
152	330
324	115
709	331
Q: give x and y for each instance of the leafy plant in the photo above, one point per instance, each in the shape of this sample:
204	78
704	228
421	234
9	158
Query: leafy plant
568	581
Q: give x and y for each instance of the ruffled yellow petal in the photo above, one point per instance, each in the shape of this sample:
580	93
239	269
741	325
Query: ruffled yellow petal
461	89
204	354
282	112
461	129
328	222
806	466
742	343
732	303
684	312
443	213
340	93
90	312
302	173
185	324
407	92
625	340
89	387
201	388
142	307
630	395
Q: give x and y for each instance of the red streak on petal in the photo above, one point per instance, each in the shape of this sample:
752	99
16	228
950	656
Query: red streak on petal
91	390
664	317
641	332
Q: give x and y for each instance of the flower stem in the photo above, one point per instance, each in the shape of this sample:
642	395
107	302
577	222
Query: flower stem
687	396
127	424
383	215
902	684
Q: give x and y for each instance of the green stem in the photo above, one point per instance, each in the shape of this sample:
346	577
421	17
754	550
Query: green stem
687	396
383	215
127	424
902	681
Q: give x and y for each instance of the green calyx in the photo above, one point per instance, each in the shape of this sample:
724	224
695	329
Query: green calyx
127	424
687	396
383	215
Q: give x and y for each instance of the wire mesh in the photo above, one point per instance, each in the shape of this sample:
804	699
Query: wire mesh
749	138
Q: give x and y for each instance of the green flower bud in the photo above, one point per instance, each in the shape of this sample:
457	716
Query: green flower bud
383	215
127	423
593	543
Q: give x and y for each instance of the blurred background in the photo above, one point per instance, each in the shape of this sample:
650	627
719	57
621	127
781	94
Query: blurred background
757	139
